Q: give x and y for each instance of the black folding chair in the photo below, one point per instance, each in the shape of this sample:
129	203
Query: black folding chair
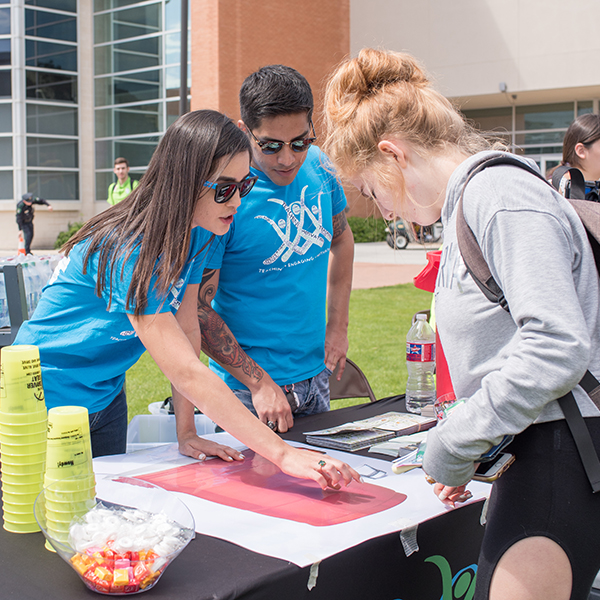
353	383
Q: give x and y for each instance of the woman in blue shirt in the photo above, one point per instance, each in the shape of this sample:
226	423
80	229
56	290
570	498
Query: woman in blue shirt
129	282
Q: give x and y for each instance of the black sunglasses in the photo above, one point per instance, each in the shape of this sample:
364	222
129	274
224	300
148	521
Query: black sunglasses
273	147
224	191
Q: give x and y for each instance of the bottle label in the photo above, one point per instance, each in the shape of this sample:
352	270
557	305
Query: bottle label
420	352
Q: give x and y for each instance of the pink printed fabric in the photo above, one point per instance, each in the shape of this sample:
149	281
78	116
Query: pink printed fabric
257	485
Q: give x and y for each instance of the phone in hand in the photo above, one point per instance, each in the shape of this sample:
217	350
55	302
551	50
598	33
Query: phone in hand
491	470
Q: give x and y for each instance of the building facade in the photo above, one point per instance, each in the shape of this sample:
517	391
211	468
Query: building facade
83	82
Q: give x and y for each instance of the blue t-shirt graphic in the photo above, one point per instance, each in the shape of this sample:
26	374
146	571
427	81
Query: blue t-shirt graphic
85	347
273	272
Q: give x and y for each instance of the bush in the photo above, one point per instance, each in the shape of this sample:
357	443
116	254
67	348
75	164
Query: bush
63	236
367	230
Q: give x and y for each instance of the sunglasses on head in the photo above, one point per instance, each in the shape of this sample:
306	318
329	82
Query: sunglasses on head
225	191
273	147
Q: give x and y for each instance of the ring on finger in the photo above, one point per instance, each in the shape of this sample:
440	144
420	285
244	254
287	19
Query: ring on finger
272	425
322	463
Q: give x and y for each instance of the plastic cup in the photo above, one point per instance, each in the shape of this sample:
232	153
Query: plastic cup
17	517
24	469
19	509
22	488
24	438
9	497
81	506
21	390
22	459
27	418
22	449
40	427
29	478
68	422
20	527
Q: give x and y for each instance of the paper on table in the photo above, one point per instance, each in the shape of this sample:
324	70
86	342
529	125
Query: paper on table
298	543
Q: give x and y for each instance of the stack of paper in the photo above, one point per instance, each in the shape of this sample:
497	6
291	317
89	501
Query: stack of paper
367	432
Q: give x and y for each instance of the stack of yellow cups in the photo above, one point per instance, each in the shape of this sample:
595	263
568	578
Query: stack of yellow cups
70	487
23	421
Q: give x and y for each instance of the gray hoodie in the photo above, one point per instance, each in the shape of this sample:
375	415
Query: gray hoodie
511	368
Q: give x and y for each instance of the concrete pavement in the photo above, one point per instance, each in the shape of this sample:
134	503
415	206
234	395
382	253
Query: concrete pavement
378	265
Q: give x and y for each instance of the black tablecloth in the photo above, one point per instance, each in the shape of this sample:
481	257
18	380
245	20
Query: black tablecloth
213	569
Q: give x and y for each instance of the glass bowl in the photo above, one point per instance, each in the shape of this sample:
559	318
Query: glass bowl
119	540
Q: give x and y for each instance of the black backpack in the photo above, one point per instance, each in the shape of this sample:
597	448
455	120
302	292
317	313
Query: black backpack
589	213
576	187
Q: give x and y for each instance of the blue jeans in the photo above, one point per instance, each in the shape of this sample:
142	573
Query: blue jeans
313	395
108	428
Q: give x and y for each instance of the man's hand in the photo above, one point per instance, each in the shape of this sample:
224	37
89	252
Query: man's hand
197	447
272	405
336	349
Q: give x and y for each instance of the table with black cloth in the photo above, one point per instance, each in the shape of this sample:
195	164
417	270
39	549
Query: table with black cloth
210	568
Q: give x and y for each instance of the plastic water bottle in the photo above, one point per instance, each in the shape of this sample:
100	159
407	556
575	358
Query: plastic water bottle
420	363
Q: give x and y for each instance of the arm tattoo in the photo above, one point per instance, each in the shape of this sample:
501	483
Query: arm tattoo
339	224
217	340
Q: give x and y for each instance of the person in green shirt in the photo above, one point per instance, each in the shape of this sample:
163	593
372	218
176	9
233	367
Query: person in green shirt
124	185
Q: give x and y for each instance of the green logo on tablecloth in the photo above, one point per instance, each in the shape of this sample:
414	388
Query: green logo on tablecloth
458	587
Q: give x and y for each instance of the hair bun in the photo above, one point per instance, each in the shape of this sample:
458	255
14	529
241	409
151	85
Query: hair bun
380	68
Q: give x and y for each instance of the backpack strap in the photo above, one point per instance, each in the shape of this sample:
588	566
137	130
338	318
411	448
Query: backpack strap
576	189
583	439
480	272
467	242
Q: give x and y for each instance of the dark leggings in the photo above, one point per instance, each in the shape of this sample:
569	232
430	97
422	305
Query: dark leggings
545	493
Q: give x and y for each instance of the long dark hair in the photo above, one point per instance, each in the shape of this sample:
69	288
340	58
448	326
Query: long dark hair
585	130
157	215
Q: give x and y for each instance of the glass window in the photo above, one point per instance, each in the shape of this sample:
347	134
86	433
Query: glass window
4	21
5	84
490	119
128	56
45	119
539	150
66	5
50	55
127	23
100	5
5	118
6	185
549	137
103	180
4	52
544	116
584	108
172	112
52	152
135	87
6	155
53	185
40	23
134	120
172	49
173	14
51	86
138	152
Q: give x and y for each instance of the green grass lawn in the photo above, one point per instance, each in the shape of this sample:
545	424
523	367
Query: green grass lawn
379	321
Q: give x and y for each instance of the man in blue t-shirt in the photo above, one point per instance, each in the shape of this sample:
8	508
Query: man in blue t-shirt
273	302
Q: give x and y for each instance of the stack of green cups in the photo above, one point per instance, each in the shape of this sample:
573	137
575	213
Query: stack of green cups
70	486
23	423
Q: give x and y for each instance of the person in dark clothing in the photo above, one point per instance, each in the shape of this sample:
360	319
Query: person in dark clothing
25	217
